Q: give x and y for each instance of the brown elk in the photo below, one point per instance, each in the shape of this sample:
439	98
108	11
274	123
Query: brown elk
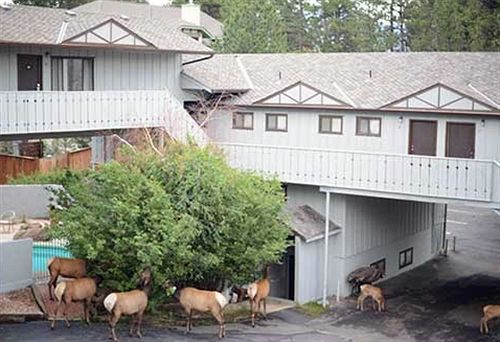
376	293
132	303
69	268
490	312
78	290
192	299
257	293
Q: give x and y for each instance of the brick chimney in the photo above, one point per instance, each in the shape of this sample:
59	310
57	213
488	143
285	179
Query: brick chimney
191	13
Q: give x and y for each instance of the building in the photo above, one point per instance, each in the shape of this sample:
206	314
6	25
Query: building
378	143
369	146
69	72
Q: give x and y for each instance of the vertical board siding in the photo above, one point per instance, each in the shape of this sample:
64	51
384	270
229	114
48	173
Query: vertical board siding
373	222
113	70
303	131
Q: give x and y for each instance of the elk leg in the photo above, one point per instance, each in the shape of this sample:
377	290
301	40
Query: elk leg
65	313
220	319
86	310
252	310
188	321
265	310
52	285
112	324
53	324
139	324
132	323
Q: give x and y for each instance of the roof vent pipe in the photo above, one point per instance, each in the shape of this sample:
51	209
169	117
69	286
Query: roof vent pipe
191	13
370	73
70	13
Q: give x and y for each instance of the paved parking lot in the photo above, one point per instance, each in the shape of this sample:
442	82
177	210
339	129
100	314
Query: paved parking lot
440	301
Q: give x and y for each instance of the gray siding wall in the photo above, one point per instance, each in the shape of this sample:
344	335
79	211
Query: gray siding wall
15	264
29	201
113	69
303	127
374	229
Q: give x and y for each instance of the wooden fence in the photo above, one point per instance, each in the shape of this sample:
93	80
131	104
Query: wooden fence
14	166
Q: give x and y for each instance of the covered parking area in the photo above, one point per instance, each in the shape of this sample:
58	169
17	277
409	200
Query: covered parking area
441	300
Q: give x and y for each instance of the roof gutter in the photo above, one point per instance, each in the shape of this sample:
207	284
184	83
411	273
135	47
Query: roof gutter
198	60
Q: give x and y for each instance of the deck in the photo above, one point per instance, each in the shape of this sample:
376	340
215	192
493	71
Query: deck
409	177
31	113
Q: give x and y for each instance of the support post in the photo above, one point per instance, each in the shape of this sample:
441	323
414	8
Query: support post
325	263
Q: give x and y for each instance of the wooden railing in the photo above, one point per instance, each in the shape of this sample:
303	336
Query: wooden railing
37	112
463	179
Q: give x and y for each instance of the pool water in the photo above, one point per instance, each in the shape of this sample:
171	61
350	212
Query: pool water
42	254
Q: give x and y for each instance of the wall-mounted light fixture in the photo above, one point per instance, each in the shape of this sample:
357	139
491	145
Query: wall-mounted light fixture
400	120
483	122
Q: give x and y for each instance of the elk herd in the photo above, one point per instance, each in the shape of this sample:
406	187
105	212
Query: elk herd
133	303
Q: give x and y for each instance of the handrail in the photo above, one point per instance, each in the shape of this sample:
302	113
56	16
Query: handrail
429	176
319	149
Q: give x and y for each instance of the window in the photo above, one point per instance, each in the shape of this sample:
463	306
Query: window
277	122
406	257
330	124
380	264
75	74
242	120
368	126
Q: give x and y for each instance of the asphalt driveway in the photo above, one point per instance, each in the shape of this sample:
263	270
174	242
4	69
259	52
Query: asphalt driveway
440	301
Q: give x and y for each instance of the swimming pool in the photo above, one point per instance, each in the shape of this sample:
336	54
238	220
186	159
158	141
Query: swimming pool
43	252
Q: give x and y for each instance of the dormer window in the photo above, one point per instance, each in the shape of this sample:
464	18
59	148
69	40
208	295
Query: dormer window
277	122
368	126
242	120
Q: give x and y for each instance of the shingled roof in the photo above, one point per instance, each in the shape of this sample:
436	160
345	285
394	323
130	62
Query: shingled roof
50	26
362	80
309	224
168	13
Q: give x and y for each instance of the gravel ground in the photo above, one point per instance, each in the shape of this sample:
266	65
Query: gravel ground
18	302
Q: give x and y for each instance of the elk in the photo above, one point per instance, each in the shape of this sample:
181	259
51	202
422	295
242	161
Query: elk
131	303
69	268
257	293
489	311
192	299
81	289
241	293
376	293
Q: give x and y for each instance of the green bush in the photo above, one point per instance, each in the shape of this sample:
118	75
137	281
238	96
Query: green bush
188	215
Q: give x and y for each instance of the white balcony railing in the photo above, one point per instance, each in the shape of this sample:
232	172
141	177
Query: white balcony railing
452	178
38	112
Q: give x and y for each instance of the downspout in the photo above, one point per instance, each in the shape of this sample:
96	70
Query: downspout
198	60
325	262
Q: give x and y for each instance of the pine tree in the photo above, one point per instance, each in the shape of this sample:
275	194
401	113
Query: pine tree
252	27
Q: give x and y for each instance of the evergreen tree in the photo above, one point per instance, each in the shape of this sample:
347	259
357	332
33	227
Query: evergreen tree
345	26
252	27
452	25
295	14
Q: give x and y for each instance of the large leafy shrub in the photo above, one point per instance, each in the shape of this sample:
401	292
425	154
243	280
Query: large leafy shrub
194	219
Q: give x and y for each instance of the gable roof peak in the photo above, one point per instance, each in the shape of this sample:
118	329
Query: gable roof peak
301	94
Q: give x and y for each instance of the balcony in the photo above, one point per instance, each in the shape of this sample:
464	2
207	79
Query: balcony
38	113
409	177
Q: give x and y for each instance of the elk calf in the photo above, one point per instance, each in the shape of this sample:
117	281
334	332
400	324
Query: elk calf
374	292
490	312
69	268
